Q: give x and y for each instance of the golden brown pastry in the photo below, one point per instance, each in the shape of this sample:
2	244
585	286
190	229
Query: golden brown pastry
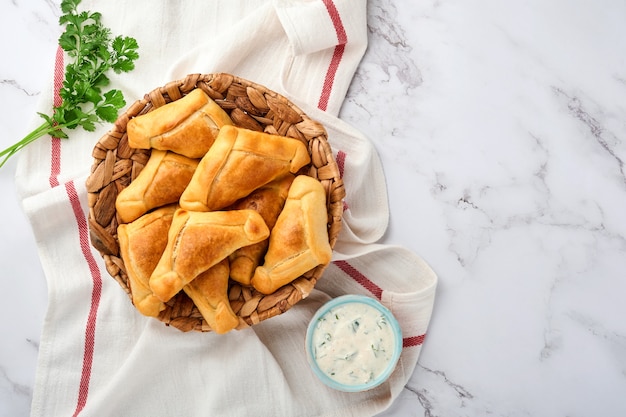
239	162
209	292
299	239
142	243
199	240
187	126
162	181
268	201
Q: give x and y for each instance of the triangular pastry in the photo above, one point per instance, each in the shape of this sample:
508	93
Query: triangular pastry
268	201
187	126
199	240
142	243
209	292
299	239
162	181
239	162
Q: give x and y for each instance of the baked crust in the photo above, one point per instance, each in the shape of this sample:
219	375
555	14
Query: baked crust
187	126
299	239
239	162
199	240
161	182
142	243
209	292
268	201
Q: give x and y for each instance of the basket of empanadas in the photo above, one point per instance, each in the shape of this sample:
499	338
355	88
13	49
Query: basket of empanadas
215	203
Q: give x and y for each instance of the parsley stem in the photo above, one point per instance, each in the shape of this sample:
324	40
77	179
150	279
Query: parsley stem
44	129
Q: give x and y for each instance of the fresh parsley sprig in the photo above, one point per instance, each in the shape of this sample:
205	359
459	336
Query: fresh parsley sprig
93	53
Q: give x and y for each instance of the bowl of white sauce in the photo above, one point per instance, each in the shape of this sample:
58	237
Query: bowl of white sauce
353	343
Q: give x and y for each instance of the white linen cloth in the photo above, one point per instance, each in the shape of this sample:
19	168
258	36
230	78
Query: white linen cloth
98	356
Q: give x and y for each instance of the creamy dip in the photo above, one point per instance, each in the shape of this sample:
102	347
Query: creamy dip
353	343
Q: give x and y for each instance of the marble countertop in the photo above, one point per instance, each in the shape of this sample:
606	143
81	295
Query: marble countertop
502	131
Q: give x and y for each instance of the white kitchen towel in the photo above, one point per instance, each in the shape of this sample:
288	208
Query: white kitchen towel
98	356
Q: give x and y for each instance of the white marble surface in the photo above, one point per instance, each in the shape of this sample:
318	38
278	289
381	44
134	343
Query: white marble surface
502	130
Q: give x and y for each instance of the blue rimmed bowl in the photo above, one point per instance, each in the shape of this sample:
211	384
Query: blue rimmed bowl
353	343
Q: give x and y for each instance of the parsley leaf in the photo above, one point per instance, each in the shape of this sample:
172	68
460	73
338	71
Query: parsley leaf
93	52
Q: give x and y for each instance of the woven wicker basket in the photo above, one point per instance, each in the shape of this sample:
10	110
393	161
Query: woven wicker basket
251	106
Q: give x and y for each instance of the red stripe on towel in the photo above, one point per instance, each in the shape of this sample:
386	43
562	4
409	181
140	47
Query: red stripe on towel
96	291
342	39
55	143
353	273
330	77
55	167
85	245
341	161
335	17
59	75
413	341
